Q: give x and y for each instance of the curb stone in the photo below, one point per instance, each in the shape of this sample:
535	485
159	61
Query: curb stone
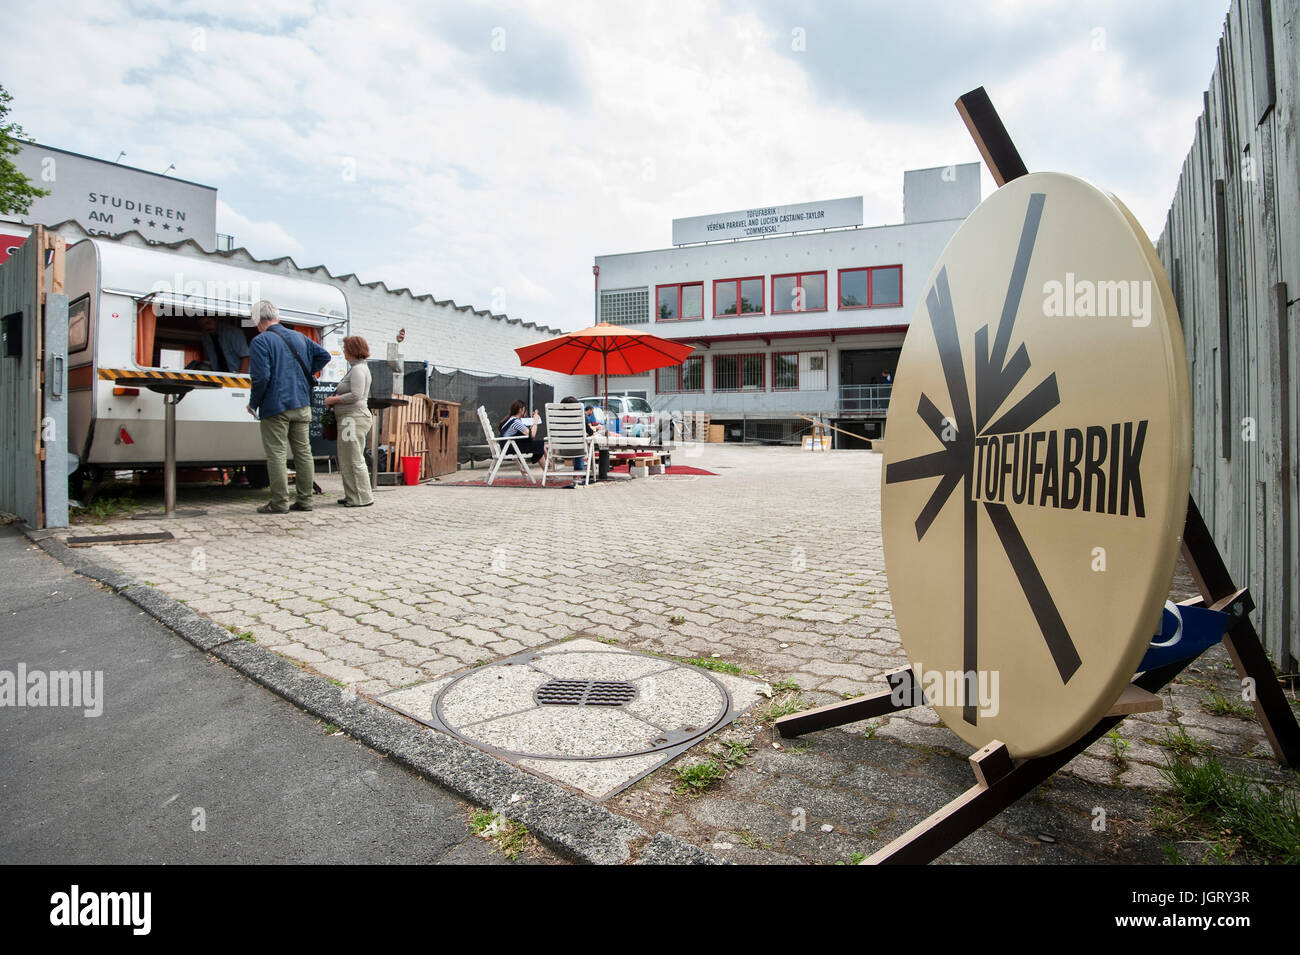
573	825
667	849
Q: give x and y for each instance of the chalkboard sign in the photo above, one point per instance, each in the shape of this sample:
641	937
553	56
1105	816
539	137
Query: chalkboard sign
319	446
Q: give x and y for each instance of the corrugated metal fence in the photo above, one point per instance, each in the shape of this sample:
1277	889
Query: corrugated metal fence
1231	247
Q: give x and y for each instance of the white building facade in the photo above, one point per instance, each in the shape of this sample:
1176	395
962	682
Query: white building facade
809	323
109	199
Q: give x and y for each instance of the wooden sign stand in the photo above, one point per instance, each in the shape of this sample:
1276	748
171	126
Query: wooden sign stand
1000	780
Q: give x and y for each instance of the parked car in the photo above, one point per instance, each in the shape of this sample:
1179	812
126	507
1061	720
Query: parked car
626	415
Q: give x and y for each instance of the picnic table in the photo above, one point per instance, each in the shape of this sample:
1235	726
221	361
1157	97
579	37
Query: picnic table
622	445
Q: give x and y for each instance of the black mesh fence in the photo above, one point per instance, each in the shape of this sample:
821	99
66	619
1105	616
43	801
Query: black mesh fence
472	389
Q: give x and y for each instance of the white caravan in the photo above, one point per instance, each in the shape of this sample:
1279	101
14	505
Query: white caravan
134	310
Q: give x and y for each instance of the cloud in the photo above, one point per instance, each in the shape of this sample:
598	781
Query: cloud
393	140
263	239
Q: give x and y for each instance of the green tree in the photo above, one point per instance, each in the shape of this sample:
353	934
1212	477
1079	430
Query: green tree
16	190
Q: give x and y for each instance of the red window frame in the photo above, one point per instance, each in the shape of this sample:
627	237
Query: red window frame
762	298
659	389
785	354
799	284
871	287
740	377
679	286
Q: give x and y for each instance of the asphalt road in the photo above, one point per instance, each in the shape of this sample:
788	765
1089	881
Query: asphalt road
183	739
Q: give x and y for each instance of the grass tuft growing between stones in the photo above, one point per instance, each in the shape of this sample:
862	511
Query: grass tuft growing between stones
509	836
717	666
1220	705
694	779
1228	817
1180	744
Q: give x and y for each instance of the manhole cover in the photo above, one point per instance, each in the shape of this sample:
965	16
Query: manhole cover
581	705
528	711
584	693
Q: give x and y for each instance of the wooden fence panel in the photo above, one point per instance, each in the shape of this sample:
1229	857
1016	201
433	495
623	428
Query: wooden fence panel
1231	246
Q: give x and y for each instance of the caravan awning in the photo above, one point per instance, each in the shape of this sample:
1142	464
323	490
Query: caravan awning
193	306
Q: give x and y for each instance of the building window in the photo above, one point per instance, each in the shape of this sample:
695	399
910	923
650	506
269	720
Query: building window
738	297
686	377
739	373
625	306
785	371
880	286
799	292
799	371
675	303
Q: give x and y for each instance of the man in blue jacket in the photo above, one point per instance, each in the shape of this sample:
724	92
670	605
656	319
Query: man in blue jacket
283	363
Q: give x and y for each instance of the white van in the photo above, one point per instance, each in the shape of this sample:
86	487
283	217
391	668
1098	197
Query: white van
625	414
133	310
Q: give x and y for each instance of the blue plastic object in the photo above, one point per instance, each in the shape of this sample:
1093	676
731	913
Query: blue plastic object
1184	633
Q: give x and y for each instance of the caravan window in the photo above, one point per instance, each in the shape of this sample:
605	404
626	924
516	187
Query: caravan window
172	339
79	324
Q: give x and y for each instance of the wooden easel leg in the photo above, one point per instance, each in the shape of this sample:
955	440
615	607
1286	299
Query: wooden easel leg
902	695
1241	641
998	787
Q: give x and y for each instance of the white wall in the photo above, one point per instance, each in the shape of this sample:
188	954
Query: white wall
944	192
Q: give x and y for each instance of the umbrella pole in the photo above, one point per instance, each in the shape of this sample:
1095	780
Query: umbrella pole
603	470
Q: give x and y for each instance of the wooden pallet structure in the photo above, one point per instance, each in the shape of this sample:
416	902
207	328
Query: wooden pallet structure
423	427
692	425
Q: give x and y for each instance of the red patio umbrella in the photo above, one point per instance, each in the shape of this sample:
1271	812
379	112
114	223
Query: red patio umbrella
604	349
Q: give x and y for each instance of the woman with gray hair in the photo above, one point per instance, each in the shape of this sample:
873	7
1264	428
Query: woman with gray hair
352	412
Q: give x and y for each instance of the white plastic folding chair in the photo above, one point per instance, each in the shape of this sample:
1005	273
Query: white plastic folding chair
566	439
503	449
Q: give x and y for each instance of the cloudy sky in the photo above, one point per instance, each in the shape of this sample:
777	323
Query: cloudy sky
487	152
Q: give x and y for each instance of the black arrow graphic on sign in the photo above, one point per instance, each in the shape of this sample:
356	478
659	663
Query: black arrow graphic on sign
995	379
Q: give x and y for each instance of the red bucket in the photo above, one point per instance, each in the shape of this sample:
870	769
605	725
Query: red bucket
411	469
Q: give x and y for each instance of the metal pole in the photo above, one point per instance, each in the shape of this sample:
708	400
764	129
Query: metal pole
169	457
374	448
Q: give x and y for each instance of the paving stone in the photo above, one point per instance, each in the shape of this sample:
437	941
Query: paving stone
420	599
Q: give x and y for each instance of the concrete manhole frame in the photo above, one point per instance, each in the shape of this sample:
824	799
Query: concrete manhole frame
670	743
602	777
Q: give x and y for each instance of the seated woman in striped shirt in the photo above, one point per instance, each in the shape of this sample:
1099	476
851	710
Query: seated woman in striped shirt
525	435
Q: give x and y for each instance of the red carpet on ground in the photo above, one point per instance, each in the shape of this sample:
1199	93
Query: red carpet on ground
671	469
518	480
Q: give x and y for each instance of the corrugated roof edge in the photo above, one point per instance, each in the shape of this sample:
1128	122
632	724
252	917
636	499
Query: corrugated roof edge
350	276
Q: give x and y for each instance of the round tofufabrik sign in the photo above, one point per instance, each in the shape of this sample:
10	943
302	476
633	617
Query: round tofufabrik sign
1036	473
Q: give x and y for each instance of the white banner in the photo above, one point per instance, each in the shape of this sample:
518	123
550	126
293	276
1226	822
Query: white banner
769	220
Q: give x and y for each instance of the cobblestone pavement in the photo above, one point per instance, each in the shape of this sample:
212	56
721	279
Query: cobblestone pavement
775	565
